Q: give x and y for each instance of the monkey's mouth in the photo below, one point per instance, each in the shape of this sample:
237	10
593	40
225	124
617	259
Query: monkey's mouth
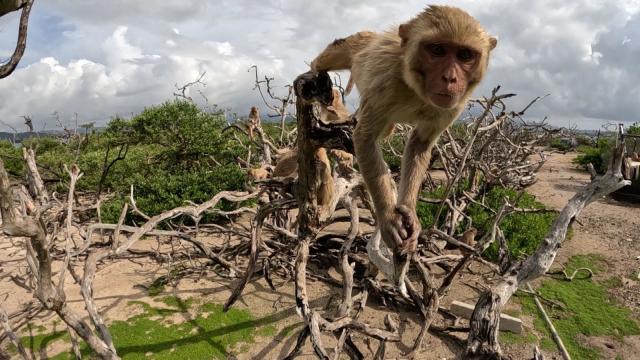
449	96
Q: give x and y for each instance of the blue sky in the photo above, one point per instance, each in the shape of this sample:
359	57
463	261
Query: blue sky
102	58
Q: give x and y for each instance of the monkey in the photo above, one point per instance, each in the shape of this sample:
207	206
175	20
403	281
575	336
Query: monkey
260	173
421	73
469	238
634	156
287	166
343	158
253	121
336	113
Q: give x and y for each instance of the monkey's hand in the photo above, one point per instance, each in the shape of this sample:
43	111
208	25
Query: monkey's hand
402	227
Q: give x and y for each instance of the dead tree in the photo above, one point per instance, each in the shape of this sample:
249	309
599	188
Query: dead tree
279	104
6	7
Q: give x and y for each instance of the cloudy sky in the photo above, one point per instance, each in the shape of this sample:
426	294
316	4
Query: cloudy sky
100	58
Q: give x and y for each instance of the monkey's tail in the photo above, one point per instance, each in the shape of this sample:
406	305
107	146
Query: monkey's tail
339	54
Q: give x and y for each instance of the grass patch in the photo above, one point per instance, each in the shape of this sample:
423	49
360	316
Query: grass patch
589	310
171	331
36	338
510	338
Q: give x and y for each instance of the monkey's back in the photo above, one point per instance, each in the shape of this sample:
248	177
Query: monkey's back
339	54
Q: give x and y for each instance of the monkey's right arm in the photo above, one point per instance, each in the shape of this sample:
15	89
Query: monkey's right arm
378	180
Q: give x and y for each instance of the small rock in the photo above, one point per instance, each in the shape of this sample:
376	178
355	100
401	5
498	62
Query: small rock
629	239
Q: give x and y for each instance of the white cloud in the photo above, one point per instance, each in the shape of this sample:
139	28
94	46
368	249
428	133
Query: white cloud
102	58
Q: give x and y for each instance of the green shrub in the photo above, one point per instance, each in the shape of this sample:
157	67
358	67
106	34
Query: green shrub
12	158
634	129
175	153
561	144
523	231
598	156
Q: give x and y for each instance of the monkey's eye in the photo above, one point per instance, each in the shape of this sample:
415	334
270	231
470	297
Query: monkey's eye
465	55
437	50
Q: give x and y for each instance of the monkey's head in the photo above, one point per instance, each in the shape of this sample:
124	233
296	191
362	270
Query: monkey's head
446	53
254	113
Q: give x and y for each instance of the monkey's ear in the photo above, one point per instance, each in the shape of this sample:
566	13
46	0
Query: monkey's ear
403	32
493	42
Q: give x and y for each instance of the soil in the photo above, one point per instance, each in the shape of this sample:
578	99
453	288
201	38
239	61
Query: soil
607	227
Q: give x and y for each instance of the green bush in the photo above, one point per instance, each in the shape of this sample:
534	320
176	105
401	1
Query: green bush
561	144
12	158
175	152
599	155
523	231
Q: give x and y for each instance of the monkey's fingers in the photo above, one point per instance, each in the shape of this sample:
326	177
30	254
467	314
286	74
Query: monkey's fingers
406	214
409	245
402	231
393	234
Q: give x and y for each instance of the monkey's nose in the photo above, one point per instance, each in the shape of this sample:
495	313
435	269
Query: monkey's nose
449	79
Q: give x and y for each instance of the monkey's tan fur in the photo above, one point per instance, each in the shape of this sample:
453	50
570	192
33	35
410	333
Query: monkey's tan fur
287	166
384	69
336	113
260	173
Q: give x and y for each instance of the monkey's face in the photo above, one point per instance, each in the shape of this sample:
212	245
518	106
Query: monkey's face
445	71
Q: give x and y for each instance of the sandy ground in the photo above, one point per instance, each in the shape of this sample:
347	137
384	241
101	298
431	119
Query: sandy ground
606	226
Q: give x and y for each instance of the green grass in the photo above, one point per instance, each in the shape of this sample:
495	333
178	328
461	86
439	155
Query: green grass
510	338
38	339
589	309
171	331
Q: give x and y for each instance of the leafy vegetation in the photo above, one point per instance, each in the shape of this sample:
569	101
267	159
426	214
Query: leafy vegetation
561	144
588	309
598	155
171	153
523	231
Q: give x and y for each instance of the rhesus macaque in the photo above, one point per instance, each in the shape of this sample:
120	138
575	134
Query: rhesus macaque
287	166
343	158
421	74
260	173
336	113
469	238
253	121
